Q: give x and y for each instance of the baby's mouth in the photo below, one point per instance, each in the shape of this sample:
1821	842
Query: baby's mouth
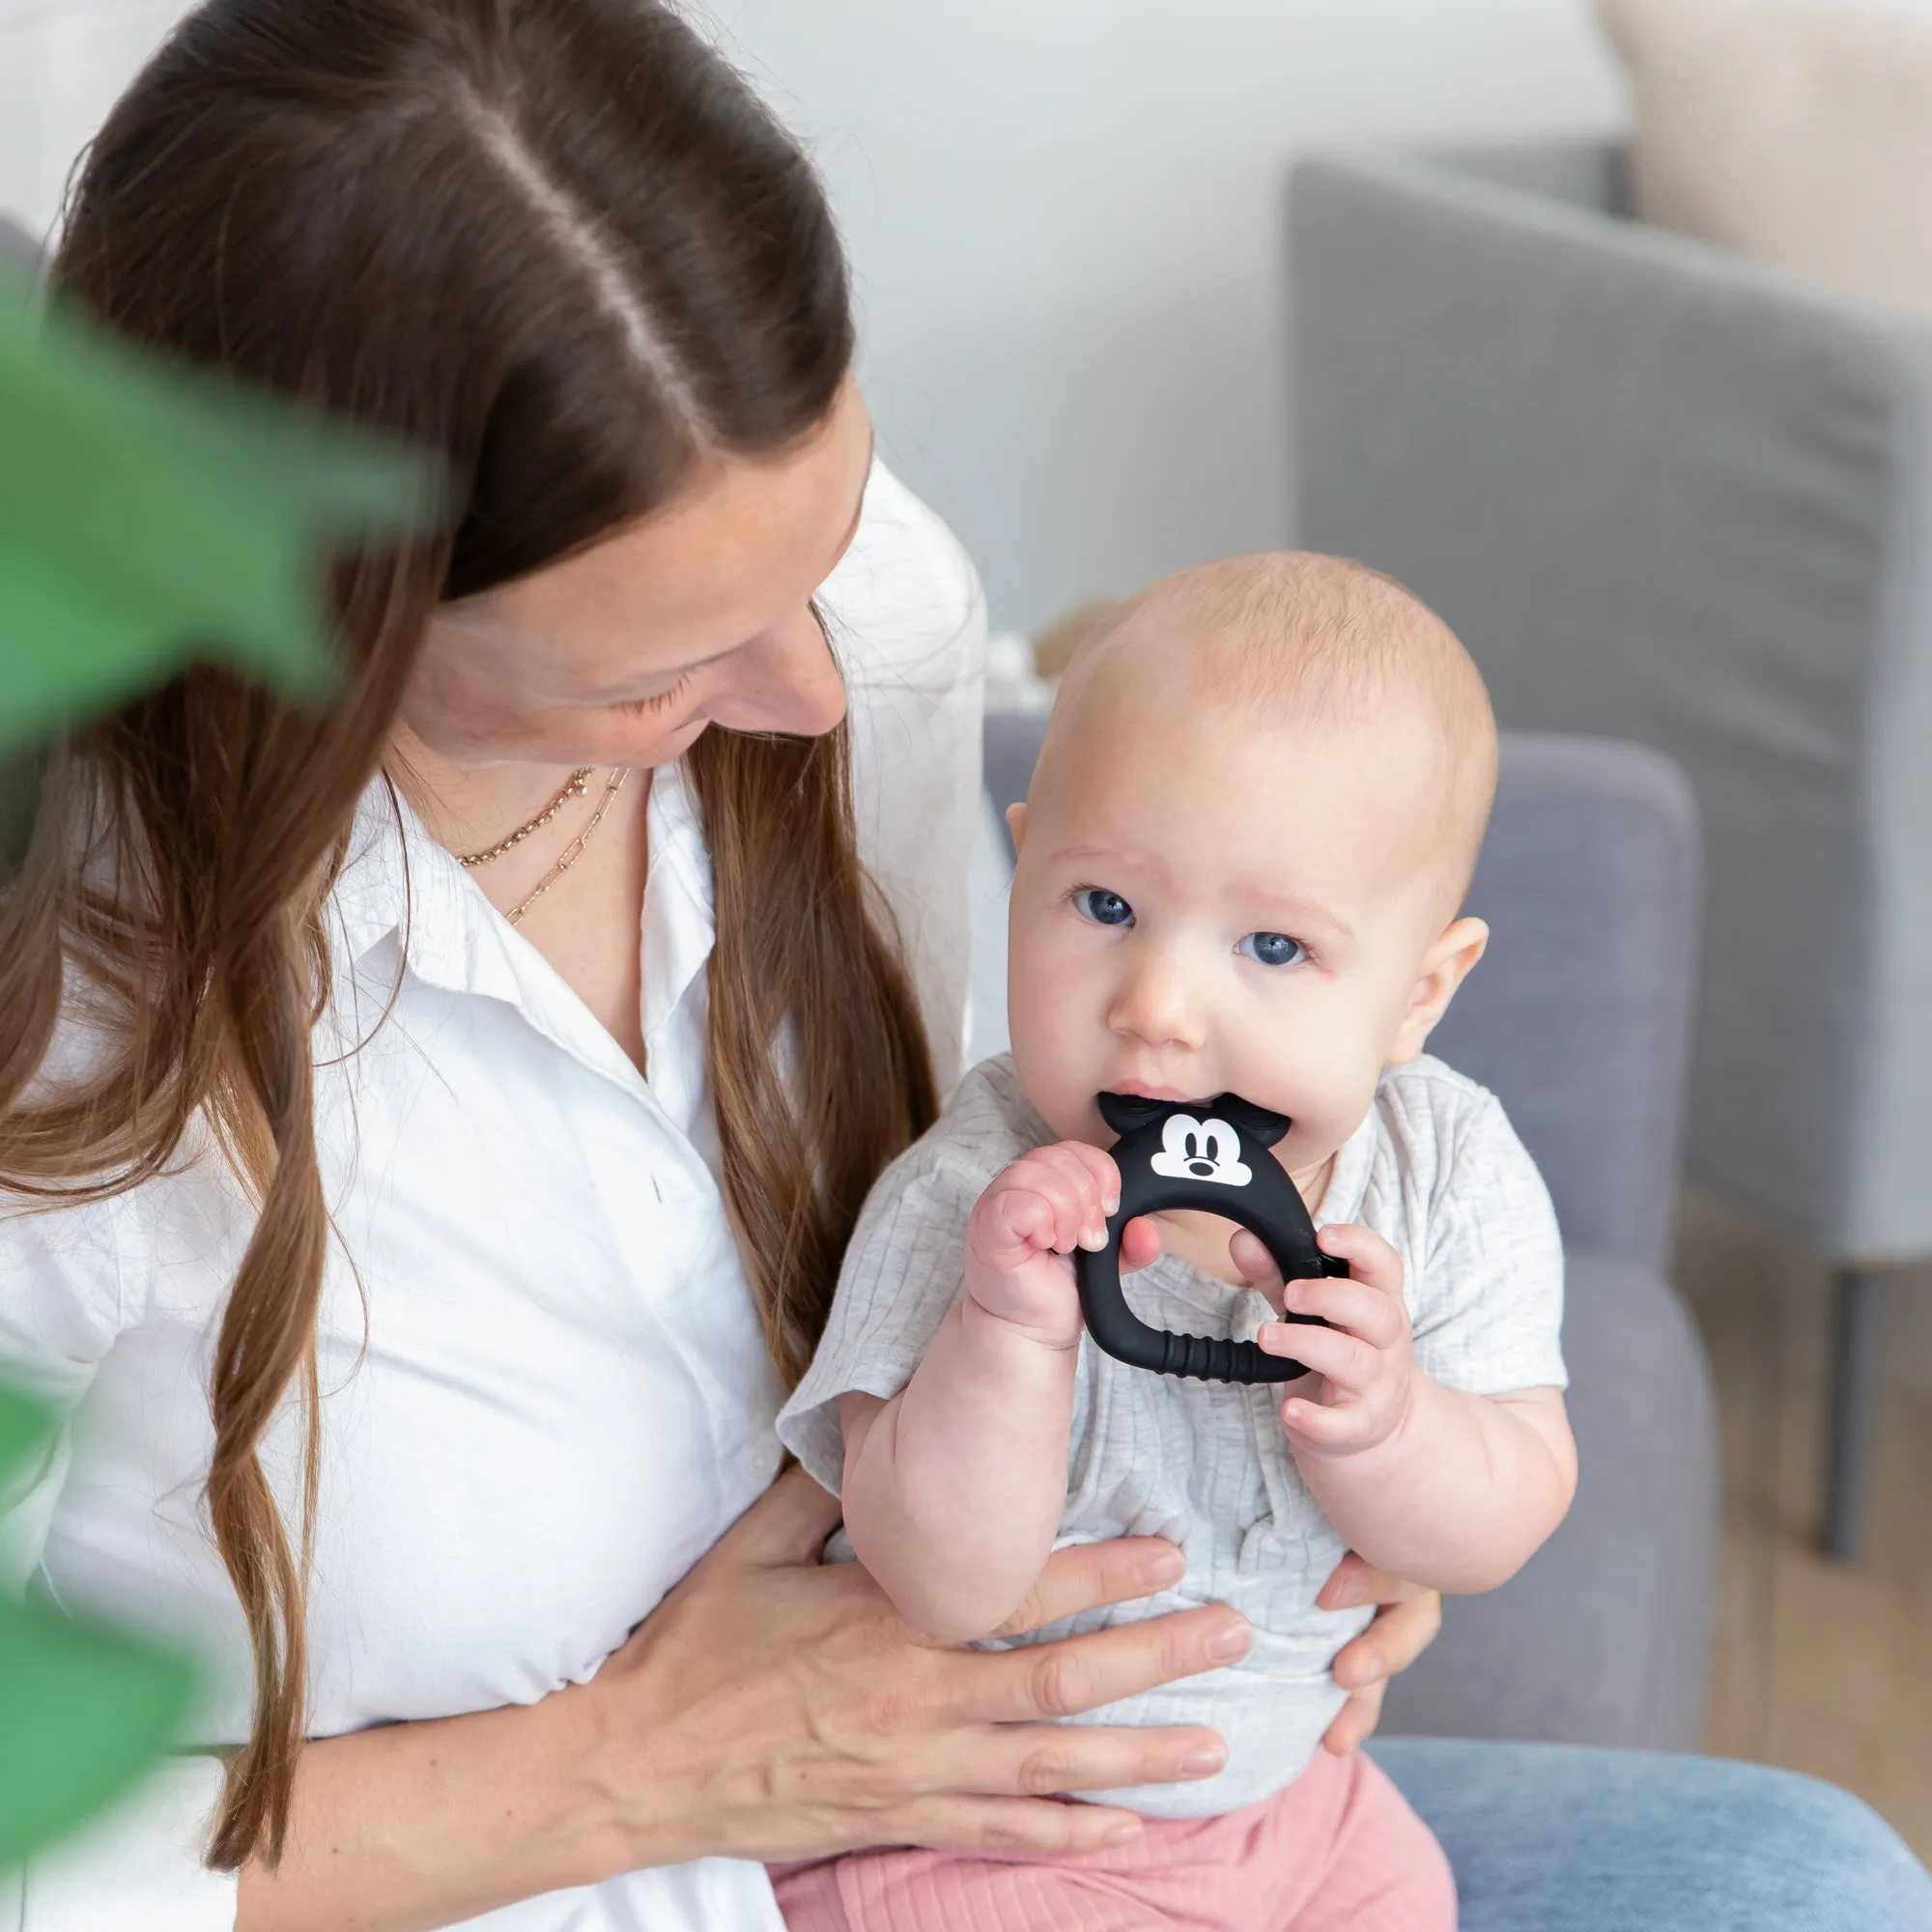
1141	1090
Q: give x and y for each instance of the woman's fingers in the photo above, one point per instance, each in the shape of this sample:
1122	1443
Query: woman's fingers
1049	1760
1404	1629
1354	1724
1087	1574
1080	1674
1012	1825
1354	1581
1390	1644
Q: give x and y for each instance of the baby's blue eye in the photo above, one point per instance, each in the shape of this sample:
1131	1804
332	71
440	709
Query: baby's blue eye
1273	948
1102	907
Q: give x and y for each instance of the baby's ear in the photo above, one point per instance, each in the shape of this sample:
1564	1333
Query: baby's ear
1016	825
1256	1126
1444	967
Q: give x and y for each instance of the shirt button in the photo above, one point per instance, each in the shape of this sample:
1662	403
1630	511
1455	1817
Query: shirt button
763	1457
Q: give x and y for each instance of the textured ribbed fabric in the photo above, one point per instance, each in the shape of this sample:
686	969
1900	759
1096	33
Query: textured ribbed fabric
1434	1167
1338	1850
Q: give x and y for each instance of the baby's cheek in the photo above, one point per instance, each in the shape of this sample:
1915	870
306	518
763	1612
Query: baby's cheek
1323	1080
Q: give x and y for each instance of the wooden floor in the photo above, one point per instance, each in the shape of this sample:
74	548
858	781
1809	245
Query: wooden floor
1820	1666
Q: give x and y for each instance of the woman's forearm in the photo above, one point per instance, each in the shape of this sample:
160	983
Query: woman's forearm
953	1488
415	1825
1461	1497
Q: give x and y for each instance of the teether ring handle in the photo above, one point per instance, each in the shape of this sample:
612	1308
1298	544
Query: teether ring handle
1212	1155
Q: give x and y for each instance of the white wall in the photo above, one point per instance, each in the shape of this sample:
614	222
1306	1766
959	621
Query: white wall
1064	216
62	63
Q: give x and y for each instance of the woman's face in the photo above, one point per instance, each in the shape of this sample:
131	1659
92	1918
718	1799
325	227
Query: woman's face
701	613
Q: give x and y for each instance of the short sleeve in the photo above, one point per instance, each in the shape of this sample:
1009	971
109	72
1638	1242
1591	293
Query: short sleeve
1489	1314
904	1271
908	621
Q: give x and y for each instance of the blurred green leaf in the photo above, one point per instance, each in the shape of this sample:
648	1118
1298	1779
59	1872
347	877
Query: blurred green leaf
150	515
25	1431
83	1710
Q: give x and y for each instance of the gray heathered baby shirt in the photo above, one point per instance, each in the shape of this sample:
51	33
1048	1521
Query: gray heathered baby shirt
1434	1168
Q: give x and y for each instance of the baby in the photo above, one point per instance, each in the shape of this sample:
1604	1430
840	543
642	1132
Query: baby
1240	869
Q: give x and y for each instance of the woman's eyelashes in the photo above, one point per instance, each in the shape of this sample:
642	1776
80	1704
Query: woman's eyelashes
1273	948
1102	907
637	706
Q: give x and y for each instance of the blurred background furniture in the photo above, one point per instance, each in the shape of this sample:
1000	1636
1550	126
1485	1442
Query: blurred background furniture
1667	495
1578	1019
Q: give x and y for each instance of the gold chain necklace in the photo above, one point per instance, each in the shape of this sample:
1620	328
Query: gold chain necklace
579	782
574	851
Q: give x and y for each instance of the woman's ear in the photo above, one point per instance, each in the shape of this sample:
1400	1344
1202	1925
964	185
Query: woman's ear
1444	967
1016	825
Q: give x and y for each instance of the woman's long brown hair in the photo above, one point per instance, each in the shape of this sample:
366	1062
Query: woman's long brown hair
560	243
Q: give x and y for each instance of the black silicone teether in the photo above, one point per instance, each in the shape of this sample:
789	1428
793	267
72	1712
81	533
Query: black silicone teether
1212	1155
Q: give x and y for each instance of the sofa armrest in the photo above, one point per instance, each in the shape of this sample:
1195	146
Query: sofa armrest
1604	1637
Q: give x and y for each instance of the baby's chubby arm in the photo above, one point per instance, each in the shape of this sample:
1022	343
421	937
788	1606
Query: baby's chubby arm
953	1488
1450	1490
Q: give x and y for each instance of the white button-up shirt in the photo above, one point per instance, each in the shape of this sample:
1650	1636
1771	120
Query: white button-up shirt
546	1392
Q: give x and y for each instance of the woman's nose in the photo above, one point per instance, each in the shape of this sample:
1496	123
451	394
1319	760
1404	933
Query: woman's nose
1155	1003
784	681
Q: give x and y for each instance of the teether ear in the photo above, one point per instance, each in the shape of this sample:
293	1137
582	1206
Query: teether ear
1127	1113
1256	1126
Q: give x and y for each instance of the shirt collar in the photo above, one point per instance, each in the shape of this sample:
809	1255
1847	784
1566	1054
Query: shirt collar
398	884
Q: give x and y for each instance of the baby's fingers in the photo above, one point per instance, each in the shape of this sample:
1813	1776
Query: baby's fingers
1346	1364
1377	1317
1083	1195
1369	1256
1250	1255
1326	1428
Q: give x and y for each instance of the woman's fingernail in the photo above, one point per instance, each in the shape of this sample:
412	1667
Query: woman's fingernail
1128	1832
1226	1645
1205	1762
1161	1568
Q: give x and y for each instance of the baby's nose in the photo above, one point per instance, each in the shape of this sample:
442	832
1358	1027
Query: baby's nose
1156	1002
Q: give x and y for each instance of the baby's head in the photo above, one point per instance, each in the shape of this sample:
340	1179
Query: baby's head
1245	847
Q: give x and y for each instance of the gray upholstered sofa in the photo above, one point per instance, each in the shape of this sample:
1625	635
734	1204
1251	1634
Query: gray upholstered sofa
1578	1019
1670	497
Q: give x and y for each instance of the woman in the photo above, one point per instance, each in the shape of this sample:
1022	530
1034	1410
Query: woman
423	1254
424	1345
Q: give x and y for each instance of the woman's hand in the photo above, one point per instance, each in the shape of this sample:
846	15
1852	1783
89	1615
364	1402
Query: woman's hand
1405	1627
772	1708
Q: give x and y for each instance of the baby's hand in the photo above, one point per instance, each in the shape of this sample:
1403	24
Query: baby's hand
1362	1357
1034	1215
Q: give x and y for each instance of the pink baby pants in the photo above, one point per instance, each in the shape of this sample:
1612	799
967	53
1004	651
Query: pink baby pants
1338	1850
